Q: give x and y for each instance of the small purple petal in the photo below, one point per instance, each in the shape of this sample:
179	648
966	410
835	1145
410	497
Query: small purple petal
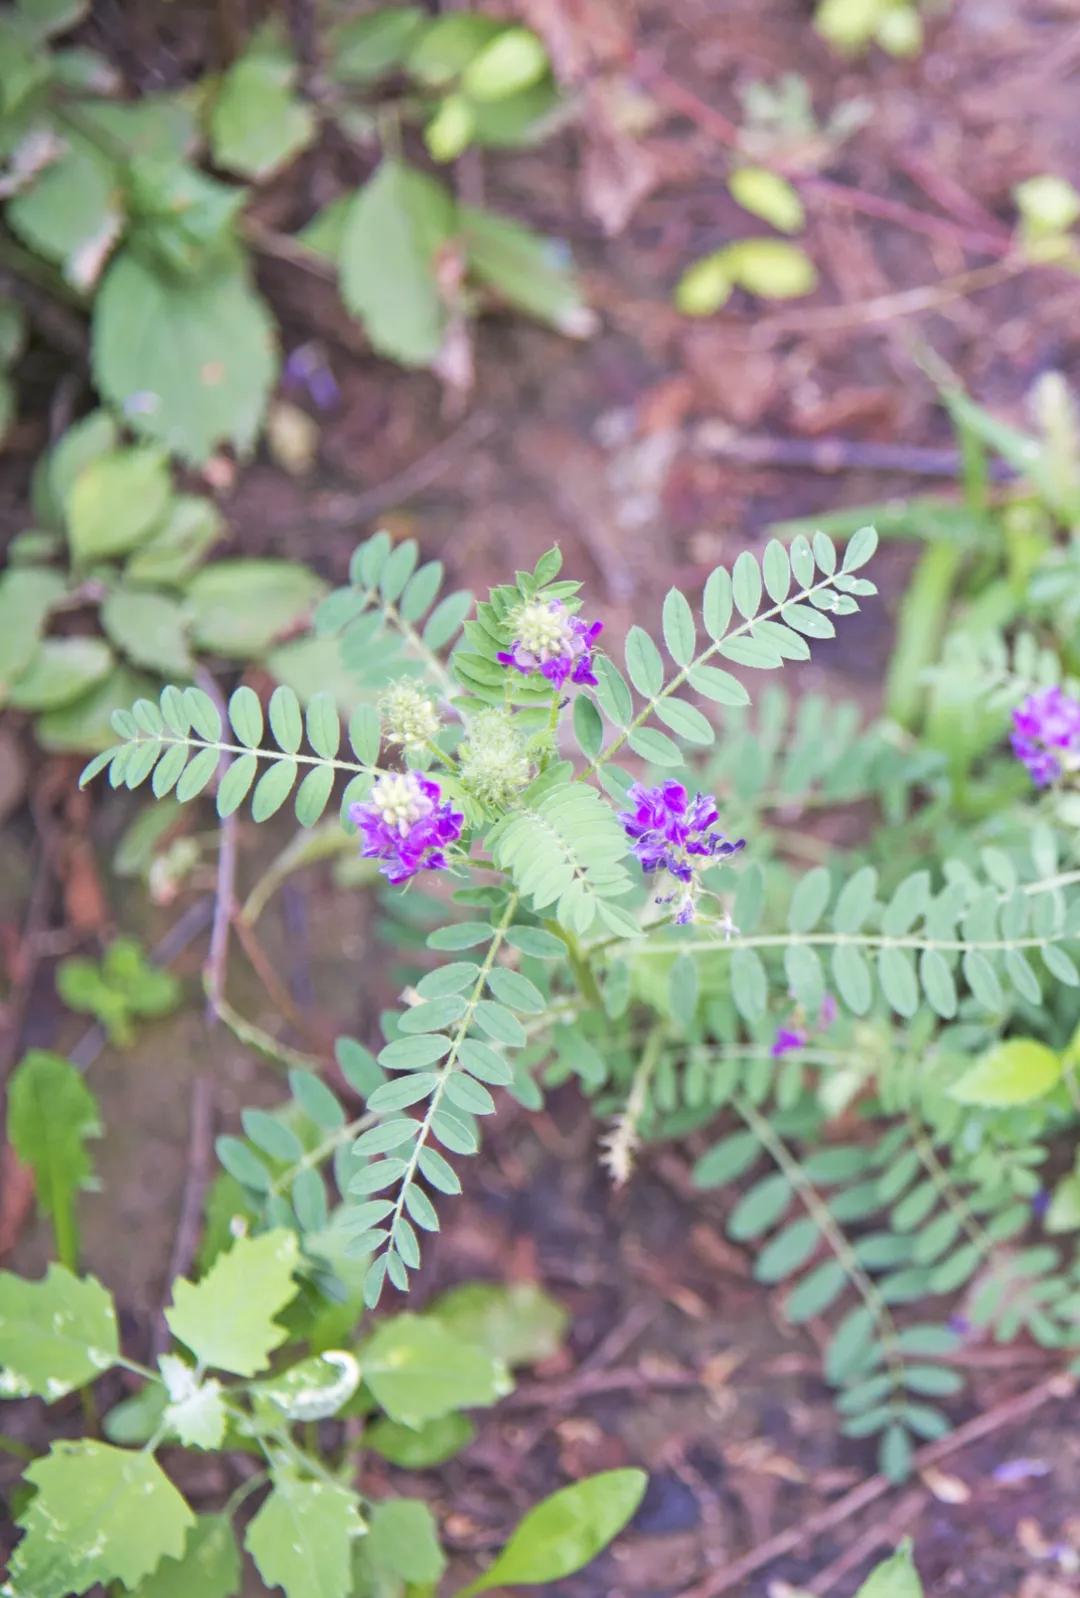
1012	1471
787	1039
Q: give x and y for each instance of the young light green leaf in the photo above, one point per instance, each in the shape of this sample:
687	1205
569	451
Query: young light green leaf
565	1531
418	1371
894	1578
302	1537
79	1524
768	195
227	1317
403	1542
200	346
56	1334
397	223
1013	1072
51	1115
208	1566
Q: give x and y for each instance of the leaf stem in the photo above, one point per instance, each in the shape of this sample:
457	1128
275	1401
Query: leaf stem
819	1212
450	1063
683	674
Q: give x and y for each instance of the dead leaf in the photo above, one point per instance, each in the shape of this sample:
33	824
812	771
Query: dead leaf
617	169
946	1489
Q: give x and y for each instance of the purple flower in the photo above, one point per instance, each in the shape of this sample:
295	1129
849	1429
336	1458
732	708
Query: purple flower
405	826
552	642
1046	734
669	831
307	371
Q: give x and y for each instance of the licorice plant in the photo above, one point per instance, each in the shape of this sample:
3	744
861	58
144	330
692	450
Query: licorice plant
881	1047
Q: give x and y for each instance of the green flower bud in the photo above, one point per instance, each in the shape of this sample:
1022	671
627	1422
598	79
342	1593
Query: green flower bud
407	713
493	763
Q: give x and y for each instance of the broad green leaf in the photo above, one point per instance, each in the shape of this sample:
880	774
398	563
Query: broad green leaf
56	1333
258	124
526	270
173	549
514	60
769	196
188	361
417	1371
365	47
25	599
209	1566
71	213
226	1318
565	1531
239	607
115	502
81	1526
518	1323
418	1448
61	672
150	629
302	1537
1013	1072
398	222
444	49
86	723
895	1578
403	1542
51	1114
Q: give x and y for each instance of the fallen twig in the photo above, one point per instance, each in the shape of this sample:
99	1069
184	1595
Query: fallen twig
830	454
189	1221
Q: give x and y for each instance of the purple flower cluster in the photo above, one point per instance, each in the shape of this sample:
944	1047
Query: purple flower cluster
670	831
405	825
1046	734
552	642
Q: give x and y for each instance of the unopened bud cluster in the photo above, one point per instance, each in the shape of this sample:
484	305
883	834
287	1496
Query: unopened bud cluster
407	714
493	763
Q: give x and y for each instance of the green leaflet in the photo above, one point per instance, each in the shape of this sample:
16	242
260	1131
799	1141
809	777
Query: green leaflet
79	1528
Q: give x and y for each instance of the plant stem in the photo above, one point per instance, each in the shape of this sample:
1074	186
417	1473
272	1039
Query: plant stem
450	1063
